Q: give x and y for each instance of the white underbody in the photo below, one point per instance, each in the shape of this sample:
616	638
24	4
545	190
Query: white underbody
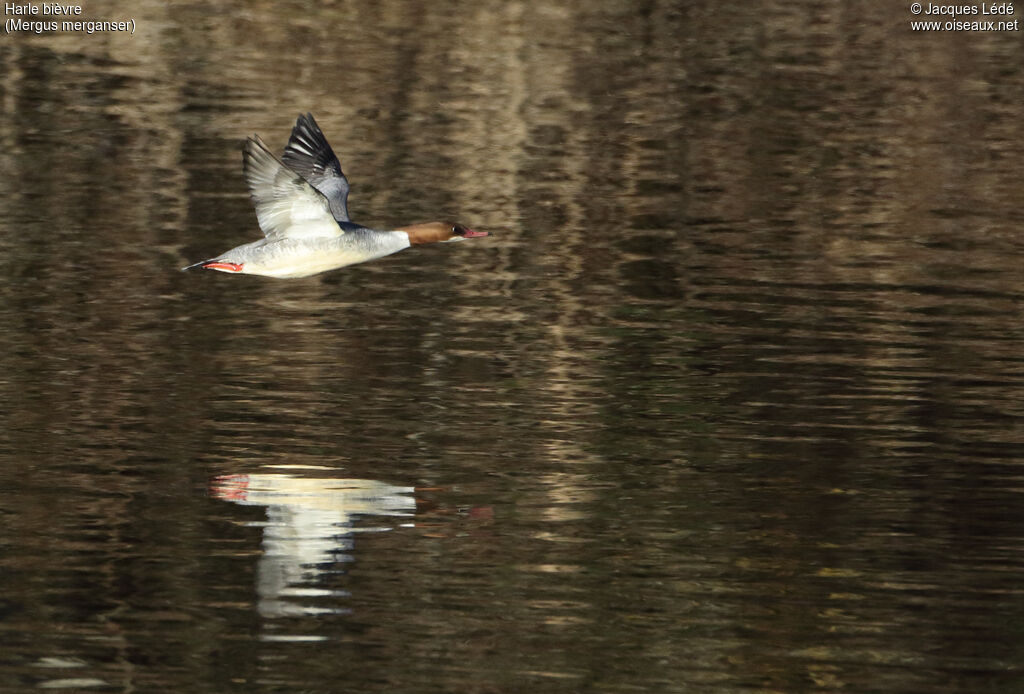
304	256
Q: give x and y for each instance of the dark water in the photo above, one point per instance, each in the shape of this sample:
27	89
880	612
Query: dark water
731	399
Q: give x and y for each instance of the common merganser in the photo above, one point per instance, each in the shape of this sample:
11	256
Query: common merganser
301	204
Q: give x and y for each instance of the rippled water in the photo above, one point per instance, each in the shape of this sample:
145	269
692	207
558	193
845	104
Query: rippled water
729	400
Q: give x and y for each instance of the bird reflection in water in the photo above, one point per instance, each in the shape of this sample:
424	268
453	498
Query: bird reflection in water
310	529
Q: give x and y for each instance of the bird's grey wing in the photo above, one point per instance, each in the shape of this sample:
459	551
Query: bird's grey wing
287	206
308	154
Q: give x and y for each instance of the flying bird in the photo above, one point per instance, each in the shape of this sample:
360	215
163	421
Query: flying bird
301	204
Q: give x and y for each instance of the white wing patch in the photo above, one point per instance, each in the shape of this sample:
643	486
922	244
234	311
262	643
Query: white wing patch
286	205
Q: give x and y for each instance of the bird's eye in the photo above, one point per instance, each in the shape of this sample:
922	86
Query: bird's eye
458	230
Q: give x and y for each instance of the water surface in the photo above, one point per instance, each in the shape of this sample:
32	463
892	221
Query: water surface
729	400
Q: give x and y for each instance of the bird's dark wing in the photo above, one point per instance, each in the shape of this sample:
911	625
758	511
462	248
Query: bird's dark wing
308	154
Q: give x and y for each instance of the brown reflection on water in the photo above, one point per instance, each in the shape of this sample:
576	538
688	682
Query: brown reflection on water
735	378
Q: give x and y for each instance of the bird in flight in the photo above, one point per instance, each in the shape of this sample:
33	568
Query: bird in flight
301	203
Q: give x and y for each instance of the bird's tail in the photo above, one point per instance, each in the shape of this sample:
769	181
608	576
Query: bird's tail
215	264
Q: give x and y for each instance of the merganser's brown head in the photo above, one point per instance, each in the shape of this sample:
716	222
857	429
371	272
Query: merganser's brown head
435	232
